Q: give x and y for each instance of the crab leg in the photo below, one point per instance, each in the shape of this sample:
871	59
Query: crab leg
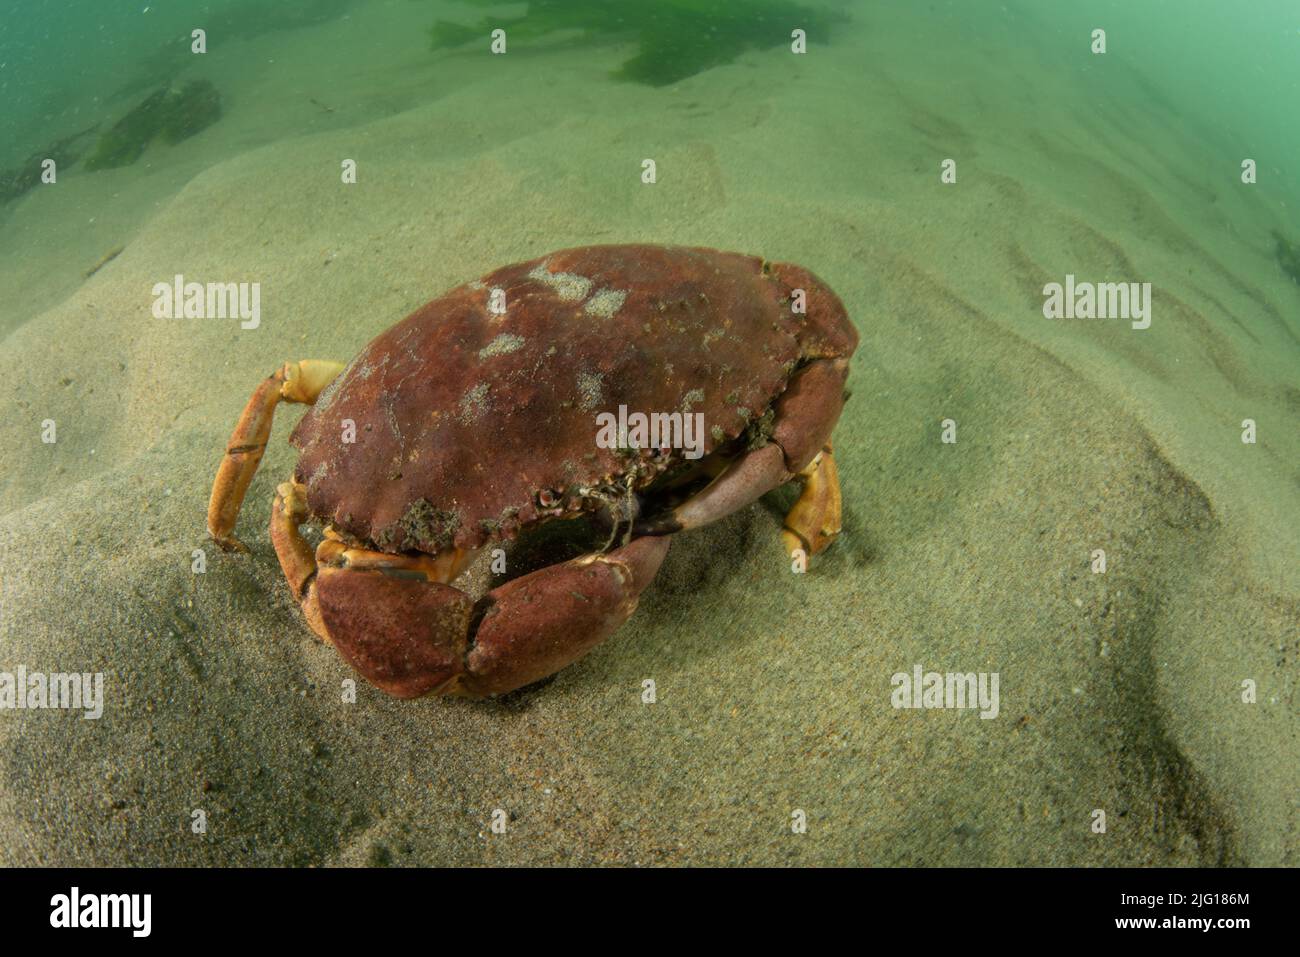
814	521
293	382
805	414
744	481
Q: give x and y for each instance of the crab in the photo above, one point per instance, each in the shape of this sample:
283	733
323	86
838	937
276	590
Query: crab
472	423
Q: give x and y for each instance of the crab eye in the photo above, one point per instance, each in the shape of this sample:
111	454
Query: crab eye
547	498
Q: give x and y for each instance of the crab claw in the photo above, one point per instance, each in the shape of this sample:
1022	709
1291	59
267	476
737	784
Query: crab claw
404	634
536	625
410	635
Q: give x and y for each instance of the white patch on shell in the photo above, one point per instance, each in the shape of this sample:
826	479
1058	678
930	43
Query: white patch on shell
568	286
473	403
503	344
605	304
366	368
326	398
590	390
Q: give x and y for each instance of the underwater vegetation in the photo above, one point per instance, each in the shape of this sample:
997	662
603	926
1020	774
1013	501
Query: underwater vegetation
173	115
1288	256
196	107
123	144
676	38
26	175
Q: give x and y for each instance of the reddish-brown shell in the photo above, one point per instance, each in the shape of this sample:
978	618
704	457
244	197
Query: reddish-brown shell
463	416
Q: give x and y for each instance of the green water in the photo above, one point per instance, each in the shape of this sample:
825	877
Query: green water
1229	70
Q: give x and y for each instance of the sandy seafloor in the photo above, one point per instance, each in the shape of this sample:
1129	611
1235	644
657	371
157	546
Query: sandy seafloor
1119	691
